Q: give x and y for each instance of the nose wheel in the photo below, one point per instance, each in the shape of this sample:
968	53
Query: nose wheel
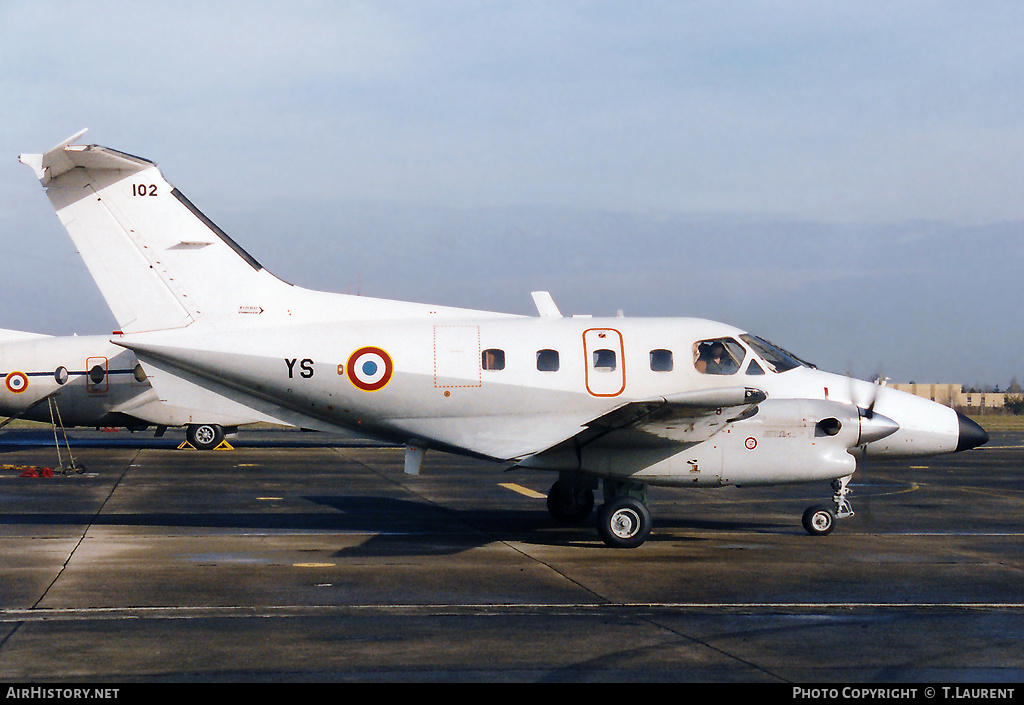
820	519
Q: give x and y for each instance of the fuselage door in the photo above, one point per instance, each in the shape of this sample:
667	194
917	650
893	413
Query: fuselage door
456	356
605	363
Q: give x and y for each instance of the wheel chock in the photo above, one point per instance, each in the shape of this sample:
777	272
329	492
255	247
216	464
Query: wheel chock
224	445
37	472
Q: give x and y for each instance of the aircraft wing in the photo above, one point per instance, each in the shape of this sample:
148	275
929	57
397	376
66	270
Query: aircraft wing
29	408
690	417
679	419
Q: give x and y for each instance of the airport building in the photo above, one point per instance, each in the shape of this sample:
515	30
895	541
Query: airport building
953	395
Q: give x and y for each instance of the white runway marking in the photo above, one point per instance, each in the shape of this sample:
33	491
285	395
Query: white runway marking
820	609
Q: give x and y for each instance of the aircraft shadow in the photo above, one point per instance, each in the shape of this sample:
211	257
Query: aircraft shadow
394	527
406	527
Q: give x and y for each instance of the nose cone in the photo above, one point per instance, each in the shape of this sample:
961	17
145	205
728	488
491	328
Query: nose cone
971	434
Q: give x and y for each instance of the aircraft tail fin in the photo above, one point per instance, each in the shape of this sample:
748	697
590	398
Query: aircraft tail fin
157	260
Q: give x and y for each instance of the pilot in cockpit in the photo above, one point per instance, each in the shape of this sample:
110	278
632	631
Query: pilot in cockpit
714	359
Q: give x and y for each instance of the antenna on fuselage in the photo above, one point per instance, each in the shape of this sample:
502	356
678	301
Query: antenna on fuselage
545	304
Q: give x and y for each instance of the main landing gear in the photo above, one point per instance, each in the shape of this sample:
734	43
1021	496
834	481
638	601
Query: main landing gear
204	436
623	521
820	519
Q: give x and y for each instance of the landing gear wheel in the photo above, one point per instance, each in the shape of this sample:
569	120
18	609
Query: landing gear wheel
73	467
819	520
569	507
624	522
205	436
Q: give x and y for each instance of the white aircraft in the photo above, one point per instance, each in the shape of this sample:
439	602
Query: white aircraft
88	381
628	402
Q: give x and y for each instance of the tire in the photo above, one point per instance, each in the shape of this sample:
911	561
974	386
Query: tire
205	436
569	509
819	520
624	522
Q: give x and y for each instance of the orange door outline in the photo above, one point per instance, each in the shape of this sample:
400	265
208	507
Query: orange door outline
604	382
92	386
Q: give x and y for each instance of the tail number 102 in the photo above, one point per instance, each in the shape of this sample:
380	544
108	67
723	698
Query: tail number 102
143	189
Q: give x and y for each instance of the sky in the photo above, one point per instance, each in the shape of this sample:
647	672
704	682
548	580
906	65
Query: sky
844	178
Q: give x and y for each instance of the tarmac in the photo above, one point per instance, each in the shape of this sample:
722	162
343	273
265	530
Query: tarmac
290	560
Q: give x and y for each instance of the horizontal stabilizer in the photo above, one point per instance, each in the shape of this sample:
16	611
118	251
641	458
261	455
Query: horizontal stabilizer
64	157
12	335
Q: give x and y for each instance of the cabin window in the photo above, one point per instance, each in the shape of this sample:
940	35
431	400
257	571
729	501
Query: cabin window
97	374
719	356
493	359
604	360
661	361
547	360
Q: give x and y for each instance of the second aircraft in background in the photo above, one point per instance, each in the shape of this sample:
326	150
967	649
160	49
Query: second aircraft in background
88	381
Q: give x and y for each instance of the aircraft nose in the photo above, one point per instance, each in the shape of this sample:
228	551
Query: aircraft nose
971	434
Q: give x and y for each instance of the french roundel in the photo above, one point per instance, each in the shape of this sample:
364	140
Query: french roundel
369	369
16	382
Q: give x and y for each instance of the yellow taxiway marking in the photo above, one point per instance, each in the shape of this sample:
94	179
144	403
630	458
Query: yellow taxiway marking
313	565
522	490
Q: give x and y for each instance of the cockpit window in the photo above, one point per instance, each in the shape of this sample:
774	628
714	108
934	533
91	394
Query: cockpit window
777	359
721	356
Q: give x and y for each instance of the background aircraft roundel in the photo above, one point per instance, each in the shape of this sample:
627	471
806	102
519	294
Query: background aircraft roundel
370	369
16	382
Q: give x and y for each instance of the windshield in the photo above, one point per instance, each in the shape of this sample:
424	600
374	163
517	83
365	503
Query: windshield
778	359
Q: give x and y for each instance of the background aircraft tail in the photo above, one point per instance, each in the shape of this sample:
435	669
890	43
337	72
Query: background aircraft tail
157	260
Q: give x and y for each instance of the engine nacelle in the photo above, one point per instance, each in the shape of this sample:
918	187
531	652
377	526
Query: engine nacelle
787	440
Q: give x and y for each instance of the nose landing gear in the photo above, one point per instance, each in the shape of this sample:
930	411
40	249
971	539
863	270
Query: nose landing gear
820	519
